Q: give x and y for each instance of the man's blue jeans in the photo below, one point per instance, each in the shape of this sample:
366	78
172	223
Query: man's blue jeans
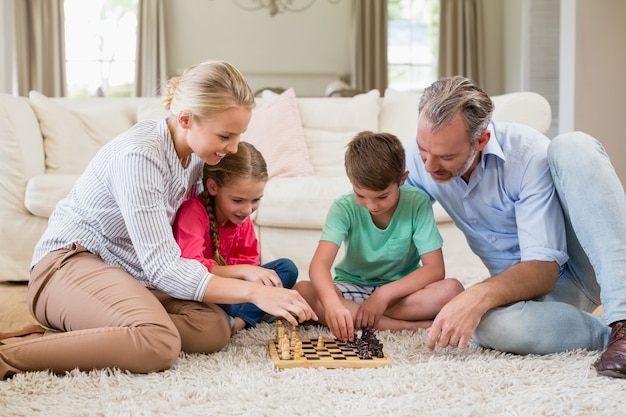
251	314
594	205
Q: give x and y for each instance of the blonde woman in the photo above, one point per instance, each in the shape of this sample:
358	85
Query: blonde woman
107	278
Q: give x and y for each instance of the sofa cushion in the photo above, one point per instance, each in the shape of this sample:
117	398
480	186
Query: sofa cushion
303	202
151	108
72	137
525	107
300	202
276	130
398	114
331	122
43	192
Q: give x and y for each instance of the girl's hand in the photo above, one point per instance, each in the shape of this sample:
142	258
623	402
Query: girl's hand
260	275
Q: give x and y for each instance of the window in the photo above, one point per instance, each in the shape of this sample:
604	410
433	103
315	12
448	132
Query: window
100	44
412	43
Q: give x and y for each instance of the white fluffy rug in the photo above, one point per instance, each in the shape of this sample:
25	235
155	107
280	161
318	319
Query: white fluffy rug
241	381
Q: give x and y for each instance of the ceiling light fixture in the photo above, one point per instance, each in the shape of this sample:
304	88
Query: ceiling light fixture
277	6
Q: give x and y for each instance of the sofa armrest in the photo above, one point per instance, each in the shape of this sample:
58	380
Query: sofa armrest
21	157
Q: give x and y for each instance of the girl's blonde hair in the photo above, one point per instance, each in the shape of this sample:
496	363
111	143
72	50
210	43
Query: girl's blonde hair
206	89
247	163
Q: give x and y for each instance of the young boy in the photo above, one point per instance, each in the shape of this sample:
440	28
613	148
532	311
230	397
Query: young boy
392	274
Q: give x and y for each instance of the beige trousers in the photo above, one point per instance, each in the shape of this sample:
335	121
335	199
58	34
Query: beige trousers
102	317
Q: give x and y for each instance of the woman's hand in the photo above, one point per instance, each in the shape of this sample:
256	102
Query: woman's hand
282	302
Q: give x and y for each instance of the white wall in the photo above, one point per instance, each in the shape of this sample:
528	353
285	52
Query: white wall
574	53
306	50
532	50
600	77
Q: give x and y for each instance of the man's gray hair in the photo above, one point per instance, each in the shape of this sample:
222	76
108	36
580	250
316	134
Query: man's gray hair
446	98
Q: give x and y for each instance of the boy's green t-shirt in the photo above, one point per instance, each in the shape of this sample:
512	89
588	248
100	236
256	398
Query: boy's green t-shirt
374	256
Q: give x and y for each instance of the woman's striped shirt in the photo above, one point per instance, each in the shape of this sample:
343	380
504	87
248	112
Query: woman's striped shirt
123	206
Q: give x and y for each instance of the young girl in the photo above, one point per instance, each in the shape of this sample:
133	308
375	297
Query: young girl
107	277
220	218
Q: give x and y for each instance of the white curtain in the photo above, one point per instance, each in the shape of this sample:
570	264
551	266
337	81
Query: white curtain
40	47
151	65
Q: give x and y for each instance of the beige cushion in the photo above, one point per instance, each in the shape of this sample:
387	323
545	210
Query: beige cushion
399	114
151	108
299	202
43	192
530	109
72	137
331	122
276	130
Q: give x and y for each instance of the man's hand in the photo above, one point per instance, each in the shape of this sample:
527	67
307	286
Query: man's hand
456	322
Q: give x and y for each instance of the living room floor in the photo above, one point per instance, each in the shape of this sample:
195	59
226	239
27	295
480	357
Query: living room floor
14	313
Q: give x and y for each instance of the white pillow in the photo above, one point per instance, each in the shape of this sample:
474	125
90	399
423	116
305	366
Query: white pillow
71	137
399	115
331	122
275	129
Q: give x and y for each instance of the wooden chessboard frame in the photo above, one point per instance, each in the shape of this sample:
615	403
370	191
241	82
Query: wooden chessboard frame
324	361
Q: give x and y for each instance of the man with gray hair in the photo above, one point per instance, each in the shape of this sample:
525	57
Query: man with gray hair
547	218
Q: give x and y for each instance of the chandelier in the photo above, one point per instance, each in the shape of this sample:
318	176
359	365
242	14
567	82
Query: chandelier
277	6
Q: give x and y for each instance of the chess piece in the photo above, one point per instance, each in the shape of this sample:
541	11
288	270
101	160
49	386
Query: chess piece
320	343
297	353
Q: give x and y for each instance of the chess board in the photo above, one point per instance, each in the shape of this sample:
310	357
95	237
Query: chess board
334	354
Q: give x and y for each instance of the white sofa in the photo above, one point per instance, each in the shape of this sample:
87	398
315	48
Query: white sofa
46	143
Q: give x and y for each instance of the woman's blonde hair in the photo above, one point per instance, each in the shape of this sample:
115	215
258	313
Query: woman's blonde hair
207	88
247	163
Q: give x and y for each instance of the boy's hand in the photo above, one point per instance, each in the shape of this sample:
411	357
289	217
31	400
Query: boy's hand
370	312
339	321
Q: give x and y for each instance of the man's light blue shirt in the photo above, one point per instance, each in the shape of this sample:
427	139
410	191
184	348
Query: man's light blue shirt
509	211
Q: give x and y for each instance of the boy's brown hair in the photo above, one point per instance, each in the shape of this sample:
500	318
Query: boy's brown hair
374	161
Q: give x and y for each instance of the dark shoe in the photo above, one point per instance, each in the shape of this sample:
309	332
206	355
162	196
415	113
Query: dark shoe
613	360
